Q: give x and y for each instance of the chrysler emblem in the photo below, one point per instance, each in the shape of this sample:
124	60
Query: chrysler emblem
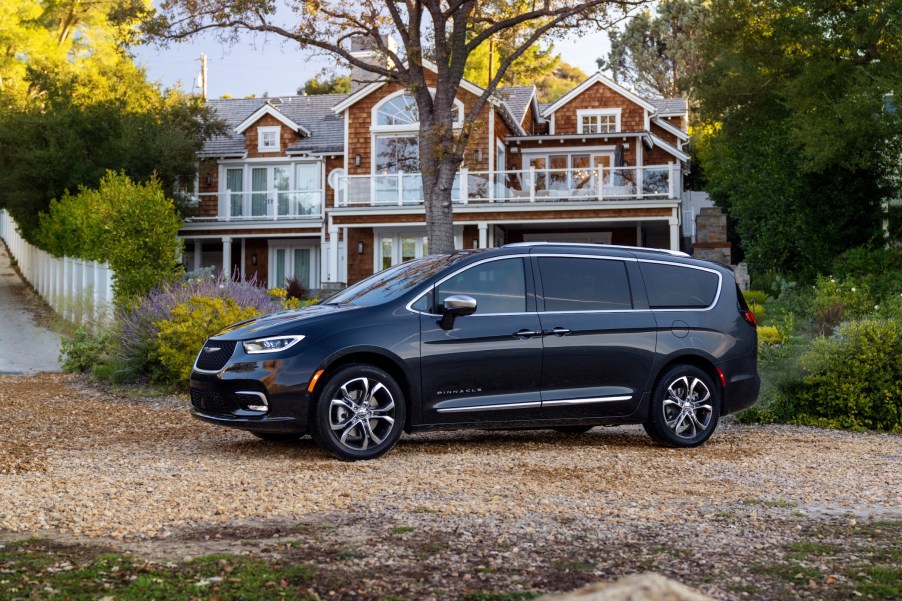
212	349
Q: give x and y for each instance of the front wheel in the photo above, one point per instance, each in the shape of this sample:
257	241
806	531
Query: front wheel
359	413
685	408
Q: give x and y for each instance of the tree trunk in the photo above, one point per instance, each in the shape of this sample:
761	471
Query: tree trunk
439	164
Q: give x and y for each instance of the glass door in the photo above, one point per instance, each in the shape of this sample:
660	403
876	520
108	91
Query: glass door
259	187
292	261
281	183
601	166
308	185
235	189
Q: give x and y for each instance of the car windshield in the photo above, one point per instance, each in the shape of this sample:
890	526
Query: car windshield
394	281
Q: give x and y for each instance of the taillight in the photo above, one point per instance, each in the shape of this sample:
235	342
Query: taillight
723	377
749	317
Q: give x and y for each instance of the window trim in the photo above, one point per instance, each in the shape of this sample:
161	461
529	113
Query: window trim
685	266
374	115
598	113
269	129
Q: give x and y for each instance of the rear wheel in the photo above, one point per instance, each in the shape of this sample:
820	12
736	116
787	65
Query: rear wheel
359	413
684	409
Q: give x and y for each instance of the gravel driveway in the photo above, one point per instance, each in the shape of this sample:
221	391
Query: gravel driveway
78	463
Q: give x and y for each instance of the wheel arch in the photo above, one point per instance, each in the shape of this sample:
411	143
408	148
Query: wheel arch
391	364
700	361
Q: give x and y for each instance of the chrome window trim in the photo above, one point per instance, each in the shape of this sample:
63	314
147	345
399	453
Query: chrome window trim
685	266
409	305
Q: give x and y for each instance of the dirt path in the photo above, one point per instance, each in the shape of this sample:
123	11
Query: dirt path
78	464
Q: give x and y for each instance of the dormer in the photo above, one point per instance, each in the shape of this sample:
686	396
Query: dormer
598	105
269	132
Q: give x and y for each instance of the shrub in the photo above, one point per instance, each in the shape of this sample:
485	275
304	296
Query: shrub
295	289
837	300
853	379
137	331
132	227
878	268
768	335
84	351
185	331
755	296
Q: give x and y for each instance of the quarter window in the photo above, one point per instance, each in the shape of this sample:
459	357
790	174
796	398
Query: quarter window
578	284
497	286
676	287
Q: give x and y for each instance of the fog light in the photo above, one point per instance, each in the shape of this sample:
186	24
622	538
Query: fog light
252	400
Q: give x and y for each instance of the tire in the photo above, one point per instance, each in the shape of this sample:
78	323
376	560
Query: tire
350	394
277	436
572	429
684	409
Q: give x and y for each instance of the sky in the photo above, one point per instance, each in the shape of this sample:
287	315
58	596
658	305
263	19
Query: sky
263	64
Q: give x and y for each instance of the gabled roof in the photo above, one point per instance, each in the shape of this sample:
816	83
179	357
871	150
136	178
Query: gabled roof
669	107
679	133
310	112
518	99
667	147
597	78
269	109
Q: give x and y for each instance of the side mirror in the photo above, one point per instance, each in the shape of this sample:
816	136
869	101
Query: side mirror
456	306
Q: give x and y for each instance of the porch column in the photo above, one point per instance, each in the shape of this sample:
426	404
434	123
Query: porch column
639	234
198	250
332	276
483	234
674	233
227	255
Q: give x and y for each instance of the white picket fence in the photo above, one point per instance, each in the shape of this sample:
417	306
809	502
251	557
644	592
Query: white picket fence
80	291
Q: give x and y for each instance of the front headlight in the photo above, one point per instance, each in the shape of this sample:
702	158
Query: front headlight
273	344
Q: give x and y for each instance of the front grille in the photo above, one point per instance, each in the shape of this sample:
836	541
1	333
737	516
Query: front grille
214	360
211	402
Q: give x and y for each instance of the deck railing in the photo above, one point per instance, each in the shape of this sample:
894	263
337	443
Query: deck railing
517	186
261	205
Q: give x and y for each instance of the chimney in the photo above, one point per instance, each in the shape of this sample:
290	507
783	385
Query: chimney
363	48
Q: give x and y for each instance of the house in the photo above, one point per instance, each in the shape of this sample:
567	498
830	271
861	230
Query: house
326	188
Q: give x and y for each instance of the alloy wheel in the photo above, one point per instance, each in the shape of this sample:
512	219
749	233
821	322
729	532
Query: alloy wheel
362	413
687	407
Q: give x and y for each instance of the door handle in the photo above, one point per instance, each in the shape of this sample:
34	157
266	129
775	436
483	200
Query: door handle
557	332
526	334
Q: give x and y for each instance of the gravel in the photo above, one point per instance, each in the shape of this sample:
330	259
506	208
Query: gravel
79	462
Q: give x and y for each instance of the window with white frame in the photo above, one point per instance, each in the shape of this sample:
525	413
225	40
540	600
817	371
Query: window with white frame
598	121
268	138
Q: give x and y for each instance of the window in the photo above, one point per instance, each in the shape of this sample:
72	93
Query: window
598	121
497	286
235	185
268	138
677	287
400	112
396	248
577	284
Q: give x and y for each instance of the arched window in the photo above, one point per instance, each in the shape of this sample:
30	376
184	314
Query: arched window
399	112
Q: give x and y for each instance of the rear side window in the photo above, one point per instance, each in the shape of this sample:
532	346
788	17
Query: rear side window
677	287
579	284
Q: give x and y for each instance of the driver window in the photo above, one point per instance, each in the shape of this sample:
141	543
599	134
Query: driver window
498	286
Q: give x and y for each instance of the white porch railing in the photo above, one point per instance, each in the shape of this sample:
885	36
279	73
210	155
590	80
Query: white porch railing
80	291
650	182
263	205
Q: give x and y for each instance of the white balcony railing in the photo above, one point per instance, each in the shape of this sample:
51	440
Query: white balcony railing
649	182
268	205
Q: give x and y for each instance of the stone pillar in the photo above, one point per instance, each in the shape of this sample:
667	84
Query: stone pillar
711	242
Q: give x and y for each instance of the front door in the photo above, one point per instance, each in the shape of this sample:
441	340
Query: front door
291	261
598	351
487	366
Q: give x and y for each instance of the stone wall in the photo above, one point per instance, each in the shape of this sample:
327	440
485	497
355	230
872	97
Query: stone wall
711	242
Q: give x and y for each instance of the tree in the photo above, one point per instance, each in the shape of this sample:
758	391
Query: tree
81	125
445	32
323	83
659	54
564	78
802	152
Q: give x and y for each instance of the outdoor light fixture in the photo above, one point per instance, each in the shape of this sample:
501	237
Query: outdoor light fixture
254	259
357	160
360	244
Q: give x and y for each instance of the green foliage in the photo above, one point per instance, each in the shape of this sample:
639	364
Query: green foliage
564	78
133	227
659	54
757	297
768	335
838	300
878	268
83	124
853	379
86	350
323	83
801	184
184	333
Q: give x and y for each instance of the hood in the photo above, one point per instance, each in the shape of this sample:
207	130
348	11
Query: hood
283	322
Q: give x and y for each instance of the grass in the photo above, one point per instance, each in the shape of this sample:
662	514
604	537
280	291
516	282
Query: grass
402	530
37	569
770	503
574	566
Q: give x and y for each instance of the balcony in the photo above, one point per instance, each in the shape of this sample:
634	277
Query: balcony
529	186
259	206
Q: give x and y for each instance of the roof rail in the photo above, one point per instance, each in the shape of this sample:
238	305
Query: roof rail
663	251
